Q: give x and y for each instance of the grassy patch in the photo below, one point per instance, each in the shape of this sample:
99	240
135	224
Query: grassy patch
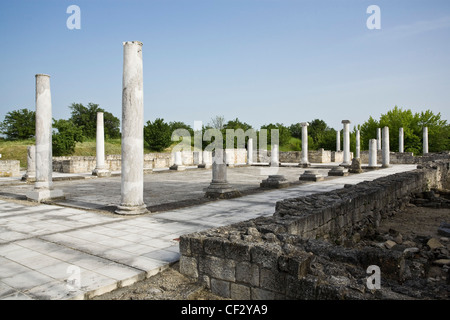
15	150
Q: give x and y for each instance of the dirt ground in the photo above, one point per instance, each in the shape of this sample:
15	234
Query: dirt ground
171	285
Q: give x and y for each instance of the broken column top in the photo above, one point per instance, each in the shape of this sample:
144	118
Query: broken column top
42	74
136	42
346	121
304	124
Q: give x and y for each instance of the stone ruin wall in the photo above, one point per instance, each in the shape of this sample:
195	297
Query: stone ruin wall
78	164
9	168
270	257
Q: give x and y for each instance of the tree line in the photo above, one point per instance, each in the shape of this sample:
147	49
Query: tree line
158	134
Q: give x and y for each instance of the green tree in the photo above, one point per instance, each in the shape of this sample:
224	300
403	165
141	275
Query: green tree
157	135
368	131
86	118
19	124
284	135
241	131
65	138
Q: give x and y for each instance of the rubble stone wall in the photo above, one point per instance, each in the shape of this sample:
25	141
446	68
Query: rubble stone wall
9	168
270	257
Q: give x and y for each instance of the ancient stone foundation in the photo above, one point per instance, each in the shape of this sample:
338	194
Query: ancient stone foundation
292	254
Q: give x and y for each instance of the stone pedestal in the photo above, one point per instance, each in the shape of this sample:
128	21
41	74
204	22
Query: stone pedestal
338	171
356	166
372	154
400	140
178	162
425	140
386	152
100	168
132	178
275	182
311	175
30	174
43	186
346	161
219	187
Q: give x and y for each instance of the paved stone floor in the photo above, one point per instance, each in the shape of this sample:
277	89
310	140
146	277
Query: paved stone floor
77	248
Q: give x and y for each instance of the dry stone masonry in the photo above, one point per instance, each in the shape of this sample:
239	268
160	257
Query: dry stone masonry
298	253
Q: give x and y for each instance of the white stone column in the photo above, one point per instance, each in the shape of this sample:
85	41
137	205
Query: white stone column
132	185
378	138
358	144
43	187
425	140
386	151
30	175
206	160
338	140
250	151
400	140
346	161
304	161
373	153
274	156
100	168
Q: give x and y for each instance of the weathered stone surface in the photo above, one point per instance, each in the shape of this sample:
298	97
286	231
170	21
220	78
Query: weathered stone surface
275	181
355	166
434	244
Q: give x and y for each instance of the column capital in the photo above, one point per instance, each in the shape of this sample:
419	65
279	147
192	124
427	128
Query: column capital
304	124
345	121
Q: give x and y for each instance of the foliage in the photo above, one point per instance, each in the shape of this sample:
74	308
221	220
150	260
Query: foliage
66	137
157	135
284	135
86	118
19	124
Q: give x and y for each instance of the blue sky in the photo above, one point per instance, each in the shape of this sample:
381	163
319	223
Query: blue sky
262	61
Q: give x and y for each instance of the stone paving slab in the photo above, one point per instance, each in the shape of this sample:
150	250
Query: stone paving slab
45	249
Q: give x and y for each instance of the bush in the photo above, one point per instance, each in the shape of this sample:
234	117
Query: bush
157	135
65	139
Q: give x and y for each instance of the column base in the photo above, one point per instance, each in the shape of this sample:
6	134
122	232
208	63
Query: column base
131	210
28	177
275	182
221	191
345	164
45	195
372	167
101	173
204	166
177	167
311	175
304	164
338	172
386	166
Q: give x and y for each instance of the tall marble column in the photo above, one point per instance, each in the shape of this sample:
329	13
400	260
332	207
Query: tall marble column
304	161
358	144
425	140
43	187
347	159
100	168
338	140
250	151
372	153
400	140
386	151
378	138
132	185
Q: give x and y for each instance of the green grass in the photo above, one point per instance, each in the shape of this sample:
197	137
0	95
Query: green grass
15	150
